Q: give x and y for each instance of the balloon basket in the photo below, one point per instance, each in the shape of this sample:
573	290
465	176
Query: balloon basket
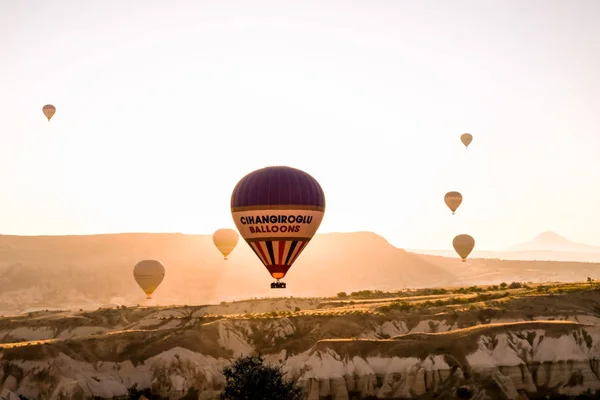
278	285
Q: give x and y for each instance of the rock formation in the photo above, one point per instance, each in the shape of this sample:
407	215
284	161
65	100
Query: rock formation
331	351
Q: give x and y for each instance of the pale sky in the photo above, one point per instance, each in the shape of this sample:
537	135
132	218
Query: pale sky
162	106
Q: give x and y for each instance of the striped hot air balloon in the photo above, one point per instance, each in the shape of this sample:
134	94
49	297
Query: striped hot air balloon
278	210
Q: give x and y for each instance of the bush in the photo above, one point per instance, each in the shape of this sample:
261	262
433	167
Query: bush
135	394
464	393
474	289
248	378
192	394
515	285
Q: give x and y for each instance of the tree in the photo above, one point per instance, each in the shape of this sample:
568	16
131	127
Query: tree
248	378
192	394
135	394
146	394
515	285
464	393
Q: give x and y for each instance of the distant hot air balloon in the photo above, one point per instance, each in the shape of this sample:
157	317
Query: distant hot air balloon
466	138
49	111
278	210
149	274
225	240
453	200
463	245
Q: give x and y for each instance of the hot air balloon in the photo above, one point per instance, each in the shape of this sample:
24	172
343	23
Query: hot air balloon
466	138
149	274
277	210
225	240
463	245
453	200
49	111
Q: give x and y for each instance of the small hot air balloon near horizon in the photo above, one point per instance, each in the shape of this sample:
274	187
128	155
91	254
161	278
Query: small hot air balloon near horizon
149	274
49	111
225	240
466	139
453	200
463	245
278	210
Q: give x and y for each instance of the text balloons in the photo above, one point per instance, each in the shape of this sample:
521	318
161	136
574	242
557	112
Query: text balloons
453	200
225	240
463	245
278	210
48	111
149	274
466	139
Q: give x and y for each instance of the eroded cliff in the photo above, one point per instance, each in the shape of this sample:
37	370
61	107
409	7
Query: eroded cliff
333	352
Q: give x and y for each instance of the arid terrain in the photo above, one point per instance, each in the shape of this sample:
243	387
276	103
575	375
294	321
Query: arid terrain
504	341
352	324
87	272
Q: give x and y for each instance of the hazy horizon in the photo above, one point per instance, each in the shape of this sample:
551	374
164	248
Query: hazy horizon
370	98
538	239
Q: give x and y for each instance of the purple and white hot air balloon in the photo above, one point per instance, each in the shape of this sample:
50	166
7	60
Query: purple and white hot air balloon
278	210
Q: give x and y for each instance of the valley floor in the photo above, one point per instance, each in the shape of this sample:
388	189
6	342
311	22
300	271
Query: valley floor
507	341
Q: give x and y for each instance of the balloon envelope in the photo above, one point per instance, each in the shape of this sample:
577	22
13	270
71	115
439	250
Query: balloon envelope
463	245
466	138
278	210
149	274
225	240
49	111
453	200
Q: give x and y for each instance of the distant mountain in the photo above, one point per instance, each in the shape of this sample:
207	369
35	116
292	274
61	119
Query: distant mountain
49	272
551	241
547	246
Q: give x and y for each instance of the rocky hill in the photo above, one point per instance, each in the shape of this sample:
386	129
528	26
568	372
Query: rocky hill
57	272
499	342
